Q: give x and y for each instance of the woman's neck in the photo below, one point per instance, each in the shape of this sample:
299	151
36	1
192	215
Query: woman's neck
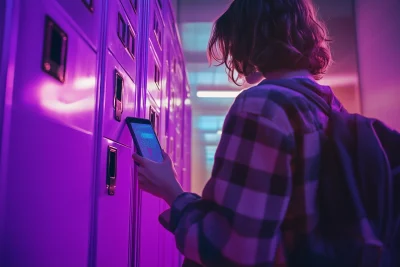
288	74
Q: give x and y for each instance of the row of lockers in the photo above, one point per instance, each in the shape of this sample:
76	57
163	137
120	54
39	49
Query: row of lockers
72	71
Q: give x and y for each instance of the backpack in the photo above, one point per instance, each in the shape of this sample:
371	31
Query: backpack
358	193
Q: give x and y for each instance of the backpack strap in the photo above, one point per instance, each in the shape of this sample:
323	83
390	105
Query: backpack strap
303	88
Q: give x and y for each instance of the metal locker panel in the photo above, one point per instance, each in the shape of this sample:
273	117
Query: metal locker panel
55	70
187	132
165	93
120	102
49	167
131	8
172	124
154	77
150	252
86	15
122	38
156	28
49	184
115	210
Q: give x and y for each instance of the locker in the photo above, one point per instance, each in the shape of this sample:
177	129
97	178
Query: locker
154	77
131	9
122	38
68	194
115	212
156	27
120	97
150	229
170	255
48	79
49	165
86	15
187	133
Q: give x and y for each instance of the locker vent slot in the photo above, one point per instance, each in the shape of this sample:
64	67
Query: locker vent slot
131	43
111	170
54	58
118	92
122	28
88	4
160	3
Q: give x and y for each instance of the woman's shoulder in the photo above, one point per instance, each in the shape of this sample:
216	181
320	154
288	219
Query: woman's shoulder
279	105
268	99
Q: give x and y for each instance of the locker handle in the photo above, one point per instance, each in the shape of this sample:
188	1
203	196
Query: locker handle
118	93
54	57
111	170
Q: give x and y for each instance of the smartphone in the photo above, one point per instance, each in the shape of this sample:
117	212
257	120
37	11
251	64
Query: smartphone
145	139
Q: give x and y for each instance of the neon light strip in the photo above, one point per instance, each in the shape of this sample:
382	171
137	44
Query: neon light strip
217	94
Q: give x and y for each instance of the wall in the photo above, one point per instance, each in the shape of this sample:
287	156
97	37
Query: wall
378	37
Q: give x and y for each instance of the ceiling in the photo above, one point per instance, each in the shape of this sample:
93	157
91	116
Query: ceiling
210	83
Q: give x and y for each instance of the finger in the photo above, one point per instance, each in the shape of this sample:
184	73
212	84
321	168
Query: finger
166	156
142	180
143	172
145	188
139	159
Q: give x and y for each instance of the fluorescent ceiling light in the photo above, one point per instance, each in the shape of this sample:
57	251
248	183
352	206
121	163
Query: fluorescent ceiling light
217	94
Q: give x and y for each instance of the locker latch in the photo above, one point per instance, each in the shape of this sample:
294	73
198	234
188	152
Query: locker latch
118	92
111	170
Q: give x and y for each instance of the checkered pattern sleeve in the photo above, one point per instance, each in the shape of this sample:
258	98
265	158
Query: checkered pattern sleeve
236	221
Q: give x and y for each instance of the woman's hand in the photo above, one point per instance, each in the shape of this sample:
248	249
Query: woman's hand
158	179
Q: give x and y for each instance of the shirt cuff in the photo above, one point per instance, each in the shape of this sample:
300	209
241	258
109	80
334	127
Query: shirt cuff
169	219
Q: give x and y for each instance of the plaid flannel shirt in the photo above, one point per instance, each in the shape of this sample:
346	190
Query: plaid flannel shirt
261	194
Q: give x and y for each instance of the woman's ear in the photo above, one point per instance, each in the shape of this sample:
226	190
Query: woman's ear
254	77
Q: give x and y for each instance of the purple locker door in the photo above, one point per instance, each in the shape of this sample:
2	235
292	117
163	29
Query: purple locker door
122	36
188	139
115	210
50	157
2	23
87	16
4	55
116	218
167	242
154	76
119	98
149	211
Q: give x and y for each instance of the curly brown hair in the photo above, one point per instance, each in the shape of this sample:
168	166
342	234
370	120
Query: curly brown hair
269	36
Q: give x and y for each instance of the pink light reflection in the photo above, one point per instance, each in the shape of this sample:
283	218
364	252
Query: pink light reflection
76	98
